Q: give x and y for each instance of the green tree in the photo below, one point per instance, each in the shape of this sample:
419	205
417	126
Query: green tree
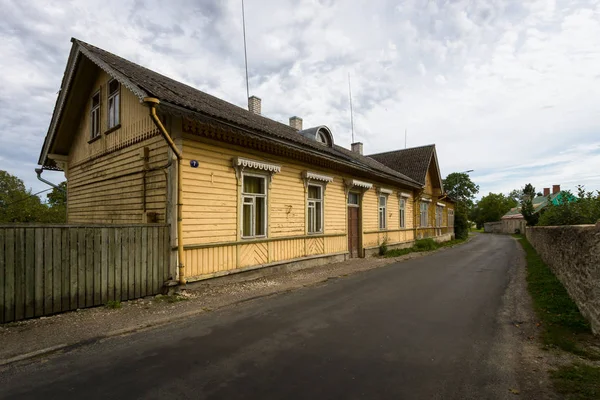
527	209
491	208
18	204
571	210
57	202
461	188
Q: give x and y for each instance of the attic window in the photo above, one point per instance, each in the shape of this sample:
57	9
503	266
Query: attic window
321	138
95	115
114	94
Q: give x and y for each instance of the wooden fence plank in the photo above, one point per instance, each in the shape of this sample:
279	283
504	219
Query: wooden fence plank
56	270
2	268
138	262
9	275
73	272
81	260
110	279
164	252
118	246
48	271
124	263
132	261
39	272
161	264
29	272
66	271
104	266
89	267
19	274
155	252
97	267
150	284
144	264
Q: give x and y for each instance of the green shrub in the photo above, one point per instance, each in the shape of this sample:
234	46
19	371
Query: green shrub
114	304
461	224
571	210
425	245
383	247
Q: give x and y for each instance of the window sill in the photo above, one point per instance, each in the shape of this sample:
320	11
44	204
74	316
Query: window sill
92	140
114	128
314	233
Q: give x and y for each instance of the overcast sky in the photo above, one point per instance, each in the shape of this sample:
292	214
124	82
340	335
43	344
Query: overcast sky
510	89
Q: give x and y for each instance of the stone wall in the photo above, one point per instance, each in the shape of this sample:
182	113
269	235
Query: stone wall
573	254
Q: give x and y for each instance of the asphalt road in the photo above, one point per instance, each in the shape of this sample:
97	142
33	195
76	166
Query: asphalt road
422	329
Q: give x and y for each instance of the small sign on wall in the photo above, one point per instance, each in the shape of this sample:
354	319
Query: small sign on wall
194	163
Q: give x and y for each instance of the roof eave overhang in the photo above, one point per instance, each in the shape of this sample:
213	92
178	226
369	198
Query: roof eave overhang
182	111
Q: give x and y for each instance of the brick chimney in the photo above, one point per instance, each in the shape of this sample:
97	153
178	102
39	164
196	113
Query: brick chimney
555	189
357	147
254	104
296	123
546	192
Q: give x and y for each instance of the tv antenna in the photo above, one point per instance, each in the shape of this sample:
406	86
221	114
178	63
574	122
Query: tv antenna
245	52
351	112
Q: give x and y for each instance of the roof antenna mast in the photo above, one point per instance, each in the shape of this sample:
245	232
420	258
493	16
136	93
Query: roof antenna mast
404	137
351	113
245	53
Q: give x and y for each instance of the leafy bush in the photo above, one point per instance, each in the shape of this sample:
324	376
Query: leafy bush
461	224
383	247
584	210
425	245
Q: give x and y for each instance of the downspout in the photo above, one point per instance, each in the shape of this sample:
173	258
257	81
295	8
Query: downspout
152	102
39	171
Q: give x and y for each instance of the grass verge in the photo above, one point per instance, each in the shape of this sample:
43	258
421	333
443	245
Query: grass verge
422	245
563	327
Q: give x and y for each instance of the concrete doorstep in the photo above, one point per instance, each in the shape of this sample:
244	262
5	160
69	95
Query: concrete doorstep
38	338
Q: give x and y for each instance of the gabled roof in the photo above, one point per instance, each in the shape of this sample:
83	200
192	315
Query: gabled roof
147	83
413	162
539	202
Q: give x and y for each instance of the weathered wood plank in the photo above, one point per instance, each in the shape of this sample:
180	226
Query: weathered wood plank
73	273
89	267
165	256
56	270
39	272
151	263
66	270
110	281
132	261
124	263
97	267
9	275
144	262
138	262
48	306
19	274
29	272
81	260
104	266
118	246
2	271
157	278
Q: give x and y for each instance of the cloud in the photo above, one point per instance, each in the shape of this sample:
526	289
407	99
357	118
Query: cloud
506	88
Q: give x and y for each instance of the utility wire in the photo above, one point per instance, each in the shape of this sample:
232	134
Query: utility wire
26	198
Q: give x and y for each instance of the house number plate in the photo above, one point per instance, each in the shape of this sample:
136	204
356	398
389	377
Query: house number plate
194	163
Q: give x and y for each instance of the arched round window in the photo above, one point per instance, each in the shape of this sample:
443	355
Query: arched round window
321	138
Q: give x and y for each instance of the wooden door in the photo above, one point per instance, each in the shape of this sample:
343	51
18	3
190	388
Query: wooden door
353	233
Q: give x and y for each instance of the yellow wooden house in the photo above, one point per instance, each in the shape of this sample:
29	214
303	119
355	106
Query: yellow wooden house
239	190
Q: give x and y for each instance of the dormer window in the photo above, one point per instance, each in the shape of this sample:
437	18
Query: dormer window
321	138
114	94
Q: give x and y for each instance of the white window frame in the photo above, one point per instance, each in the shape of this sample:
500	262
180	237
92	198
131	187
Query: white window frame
424	214
439	215
451	217
402	212
252	197
382	219
114	105
95	115
312	204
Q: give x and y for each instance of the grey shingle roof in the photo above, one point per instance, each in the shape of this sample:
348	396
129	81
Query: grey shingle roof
150	83
412	162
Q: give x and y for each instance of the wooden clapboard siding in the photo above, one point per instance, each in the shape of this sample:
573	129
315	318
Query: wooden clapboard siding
335	207
110	189
105	176
369	208
50	269
289	249
287	202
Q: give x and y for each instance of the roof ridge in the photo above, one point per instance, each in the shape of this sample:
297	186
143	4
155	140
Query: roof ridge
395	151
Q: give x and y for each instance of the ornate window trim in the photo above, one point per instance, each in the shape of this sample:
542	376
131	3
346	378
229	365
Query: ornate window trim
384	191
441	204
240	164
355	183
310	177
426	200
405	195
